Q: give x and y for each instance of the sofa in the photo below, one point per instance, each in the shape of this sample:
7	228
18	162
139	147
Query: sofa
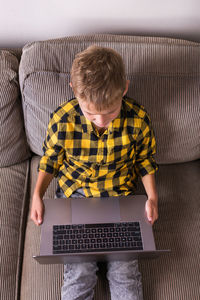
164	76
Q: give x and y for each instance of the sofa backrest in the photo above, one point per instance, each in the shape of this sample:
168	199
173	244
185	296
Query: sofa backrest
13	144
164	76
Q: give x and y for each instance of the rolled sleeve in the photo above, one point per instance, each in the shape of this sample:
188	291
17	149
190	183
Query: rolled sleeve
53	151
145	149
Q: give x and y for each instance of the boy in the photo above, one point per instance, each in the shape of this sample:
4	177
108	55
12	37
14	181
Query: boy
97	144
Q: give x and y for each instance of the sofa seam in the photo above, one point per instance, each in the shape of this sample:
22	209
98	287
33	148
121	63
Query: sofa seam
22	230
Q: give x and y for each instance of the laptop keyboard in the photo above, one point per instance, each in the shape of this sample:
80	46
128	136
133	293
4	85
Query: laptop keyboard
99	237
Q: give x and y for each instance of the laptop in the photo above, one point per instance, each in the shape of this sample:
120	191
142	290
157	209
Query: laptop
96	229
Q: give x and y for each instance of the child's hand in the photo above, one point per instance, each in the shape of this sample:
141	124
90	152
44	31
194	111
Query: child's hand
151	208
37	210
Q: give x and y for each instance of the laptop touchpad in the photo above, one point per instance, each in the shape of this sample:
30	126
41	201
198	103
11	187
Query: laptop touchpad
95	210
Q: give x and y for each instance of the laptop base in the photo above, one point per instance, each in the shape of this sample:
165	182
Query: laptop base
105	256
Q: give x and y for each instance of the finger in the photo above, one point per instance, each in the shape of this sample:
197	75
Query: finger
149	211
39	218
34	217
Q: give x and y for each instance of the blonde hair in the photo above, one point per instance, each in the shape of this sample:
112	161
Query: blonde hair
98	76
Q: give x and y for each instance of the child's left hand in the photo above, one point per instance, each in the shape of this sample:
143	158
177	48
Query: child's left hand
151	208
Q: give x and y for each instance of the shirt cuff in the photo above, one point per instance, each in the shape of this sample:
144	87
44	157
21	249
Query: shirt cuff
146	166
47	165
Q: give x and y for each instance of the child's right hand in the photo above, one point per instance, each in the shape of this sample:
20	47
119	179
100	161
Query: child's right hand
37	210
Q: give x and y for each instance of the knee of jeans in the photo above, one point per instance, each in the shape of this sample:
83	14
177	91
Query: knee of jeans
80	270
123	271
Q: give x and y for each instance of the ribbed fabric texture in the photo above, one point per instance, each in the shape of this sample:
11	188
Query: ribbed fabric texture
171	276
13	144
176	275
39	282
164	76
13	186
15	51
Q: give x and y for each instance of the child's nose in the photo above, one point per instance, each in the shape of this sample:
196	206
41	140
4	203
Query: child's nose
101	120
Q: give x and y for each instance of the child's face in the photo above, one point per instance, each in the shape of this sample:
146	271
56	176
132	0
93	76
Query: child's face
101	119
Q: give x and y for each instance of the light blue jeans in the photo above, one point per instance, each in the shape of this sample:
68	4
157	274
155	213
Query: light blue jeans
80	278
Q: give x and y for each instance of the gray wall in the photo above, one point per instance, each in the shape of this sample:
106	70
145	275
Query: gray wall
24	21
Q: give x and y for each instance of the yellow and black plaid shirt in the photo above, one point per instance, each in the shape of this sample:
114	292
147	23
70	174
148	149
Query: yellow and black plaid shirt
103	165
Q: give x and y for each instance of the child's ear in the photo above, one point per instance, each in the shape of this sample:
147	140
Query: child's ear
126	88
70	84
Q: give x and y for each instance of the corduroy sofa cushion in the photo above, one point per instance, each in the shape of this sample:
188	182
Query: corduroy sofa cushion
13	202
176	275
13	144
172	276
164	76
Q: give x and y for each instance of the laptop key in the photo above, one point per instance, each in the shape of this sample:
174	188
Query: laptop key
59	237
139	244
74	226
57	248
127	233
61	232
137	233
80	226
99	225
